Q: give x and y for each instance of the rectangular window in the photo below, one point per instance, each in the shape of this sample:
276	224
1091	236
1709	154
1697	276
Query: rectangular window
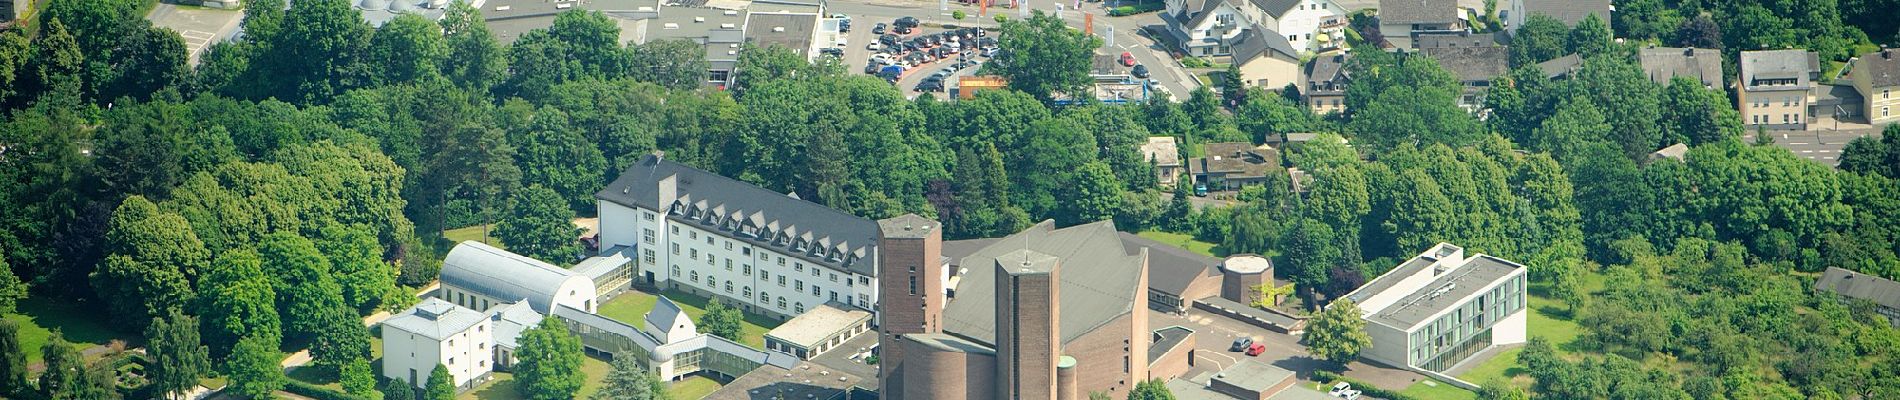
649	236
765	275
676	249
913	285
864	280
781	261
647	215
748	269
864	300
745	251
692	253
695	276
745	291
709	239
834	296
781	302
728	286
692	234
834	277
728	245
800	267
781	281
649	256
676	229
814	271
815	291
711	259
728	264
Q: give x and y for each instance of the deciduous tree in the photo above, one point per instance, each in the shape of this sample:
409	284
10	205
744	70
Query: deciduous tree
357	379
179	358
153	256
1337	334
442	385
540	225
1044	57
722	321
550	362
13	366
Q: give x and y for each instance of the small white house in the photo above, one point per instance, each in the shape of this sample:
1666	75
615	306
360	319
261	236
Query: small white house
438	332
1298	20
668	323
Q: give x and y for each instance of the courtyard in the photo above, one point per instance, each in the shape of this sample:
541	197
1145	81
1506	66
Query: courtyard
631	308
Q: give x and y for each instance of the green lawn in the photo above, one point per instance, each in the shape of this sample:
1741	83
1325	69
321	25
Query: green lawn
474	233
692	388
1185	241
79	324
633	306
1547	320
502	386
1442	391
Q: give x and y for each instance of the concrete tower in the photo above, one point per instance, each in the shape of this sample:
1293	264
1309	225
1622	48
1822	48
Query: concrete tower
910	288
1028	286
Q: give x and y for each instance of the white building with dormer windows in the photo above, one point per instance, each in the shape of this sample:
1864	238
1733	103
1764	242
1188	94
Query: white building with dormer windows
764	252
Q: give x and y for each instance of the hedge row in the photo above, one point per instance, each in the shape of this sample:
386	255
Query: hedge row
323	393
1374	391
1144	7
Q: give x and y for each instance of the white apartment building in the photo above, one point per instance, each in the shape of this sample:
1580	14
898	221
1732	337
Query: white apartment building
1300	20
1440	308
765	252
438	332
1213	27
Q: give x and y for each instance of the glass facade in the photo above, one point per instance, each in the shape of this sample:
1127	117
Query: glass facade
1465	329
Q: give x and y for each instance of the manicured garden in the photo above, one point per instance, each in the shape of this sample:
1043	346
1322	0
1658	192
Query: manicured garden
692	388
474	233
632	307
501	385
1548	319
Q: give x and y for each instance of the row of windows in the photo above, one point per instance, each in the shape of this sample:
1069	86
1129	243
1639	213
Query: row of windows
1785	118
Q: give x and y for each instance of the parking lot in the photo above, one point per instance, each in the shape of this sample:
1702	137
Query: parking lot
199	26
1214	335
919	52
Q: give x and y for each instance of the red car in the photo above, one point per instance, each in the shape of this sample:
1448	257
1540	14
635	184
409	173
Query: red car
1128	59
1256	349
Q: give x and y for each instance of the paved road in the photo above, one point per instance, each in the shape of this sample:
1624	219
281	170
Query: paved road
200	27
1823	146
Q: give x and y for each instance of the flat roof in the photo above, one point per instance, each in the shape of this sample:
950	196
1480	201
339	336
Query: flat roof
1253	375
1446	291
817	324
435	319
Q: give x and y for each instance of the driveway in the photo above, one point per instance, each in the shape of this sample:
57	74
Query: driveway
1822	143
1213	335
199	26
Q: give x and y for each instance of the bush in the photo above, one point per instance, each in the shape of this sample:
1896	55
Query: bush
1000	18
307	389
958	15
1195	62
1144	7
1374	391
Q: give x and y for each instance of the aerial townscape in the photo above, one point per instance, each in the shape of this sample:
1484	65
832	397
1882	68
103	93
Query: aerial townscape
949	199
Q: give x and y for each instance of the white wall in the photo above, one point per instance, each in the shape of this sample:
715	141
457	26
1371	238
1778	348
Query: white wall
619	221
1303	21
1389	345
467	354
1512	329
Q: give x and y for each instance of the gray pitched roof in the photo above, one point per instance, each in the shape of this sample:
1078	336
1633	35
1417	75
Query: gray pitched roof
509	320
500	274
1472	64
1099	279
1276	8
1881	68
1417	11
1459	39
1257	40
700	193
1569	11
1776	64
1327	68
1860	286
1561	66
1170	268
1665	63
1198	11
435	319
663	314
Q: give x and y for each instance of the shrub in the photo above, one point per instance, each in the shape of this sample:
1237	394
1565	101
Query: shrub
1195	62
307	389
1374	391
958	15
1000	18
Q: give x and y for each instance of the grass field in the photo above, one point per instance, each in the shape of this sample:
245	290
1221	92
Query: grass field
692	388
502	386
79	324
474	233
1185	241
633	306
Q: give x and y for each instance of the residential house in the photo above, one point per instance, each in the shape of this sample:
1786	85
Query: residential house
1570	12
1326	79
1265	59
1402	21
1877	78
759	250
1776	88
1663	64
1232	165
1883	292
1166	158
1301	21
437	332
1439	308
1206	28
1474	67
721	30
1561	67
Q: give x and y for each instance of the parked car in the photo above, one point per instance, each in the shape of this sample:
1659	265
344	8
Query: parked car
1255	349
1128	59
1140	71
1351	394
931	84
1200	190
891	72
844	26
887	39
990	51
907	22
1241	344
832	51
902	30
1338	388
878	29
871	68
872	47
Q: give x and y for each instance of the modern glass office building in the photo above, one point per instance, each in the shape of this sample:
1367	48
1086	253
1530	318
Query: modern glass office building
1439	308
